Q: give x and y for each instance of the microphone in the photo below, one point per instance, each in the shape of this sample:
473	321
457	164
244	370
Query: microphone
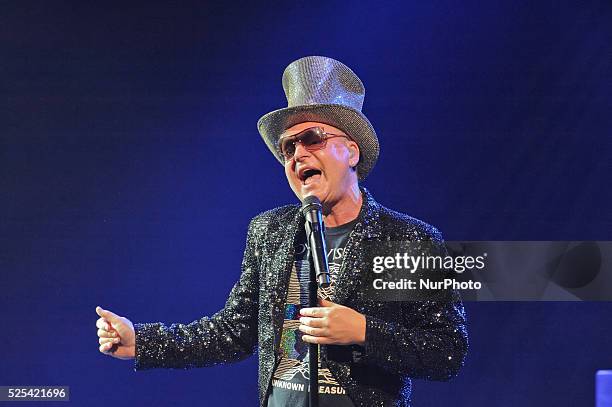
311	209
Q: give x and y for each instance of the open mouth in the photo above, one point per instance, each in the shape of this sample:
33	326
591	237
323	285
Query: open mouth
309	175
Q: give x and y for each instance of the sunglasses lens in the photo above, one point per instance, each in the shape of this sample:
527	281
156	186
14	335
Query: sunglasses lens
287	148
311	139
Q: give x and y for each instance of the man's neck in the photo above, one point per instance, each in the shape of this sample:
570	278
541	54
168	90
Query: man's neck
345	210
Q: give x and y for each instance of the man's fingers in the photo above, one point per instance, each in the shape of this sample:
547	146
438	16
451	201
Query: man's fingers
101	323
100	311
105	334
314	322
322	340
313	331
313	312
108	315
108	338
106	348
102	341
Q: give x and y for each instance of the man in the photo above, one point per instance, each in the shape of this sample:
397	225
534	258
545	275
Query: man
369	349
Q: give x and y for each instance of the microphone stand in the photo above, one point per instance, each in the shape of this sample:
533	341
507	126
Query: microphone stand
319	275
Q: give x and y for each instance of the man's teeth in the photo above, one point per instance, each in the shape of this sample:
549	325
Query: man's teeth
311	179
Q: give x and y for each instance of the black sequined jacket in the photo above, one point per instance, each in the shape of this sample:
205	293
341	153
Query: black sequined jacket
404	340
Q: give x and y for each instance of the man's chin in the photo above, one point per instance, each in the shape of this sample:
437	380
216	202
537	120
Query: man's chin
315	189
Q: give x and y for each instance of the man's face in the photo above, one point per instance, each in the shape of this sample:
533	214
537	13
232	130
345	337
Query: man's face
326	173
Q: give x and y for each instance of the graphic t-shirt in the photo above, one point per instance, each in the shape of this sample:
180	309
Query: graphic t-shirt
290	379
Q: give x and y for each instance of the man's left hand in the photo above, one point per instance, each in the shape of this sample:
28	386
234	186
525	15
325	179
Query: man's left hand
332	324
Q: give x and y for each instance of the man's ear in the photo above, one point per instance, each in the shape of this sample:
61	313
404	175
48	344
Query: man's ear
353	154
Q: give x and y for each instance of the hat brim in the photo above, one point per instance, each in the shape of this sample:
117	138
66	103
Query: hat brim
352	122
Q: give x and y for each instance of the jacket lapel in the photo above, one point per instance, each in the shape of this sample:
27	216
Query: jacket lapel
366	229
281	271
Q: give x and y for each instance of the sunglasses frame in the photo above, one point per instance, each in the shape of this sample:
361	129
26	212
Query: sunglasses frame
297	138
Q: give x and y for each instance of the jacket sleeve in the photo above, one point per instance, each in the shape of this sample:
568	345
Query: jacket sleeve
428	339
229	335
430	343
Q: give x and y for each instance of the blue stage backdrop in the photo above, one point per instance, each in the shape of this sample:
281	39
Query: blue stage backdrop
130	165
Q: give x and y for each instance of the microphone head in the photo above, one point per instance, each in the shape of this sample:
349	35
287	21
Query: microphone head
309	203
311	199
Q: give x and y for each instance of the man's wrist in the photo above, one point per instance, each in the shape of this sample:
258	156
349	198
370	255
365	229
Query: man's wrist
362	330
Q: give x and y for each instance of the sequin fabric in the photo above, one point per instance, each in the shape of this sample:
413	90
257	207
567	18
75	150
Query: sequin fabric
404	340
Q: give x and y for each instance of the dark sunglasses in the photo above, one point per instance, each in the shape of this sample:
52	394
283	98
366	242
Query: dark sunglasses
313	138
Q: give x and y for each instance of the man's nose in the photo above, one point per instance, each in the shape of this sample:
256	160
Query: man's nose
300	151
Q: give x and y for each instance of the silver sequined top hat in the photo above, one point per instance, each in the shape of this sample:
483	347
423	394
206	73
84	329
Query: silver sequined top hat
324	90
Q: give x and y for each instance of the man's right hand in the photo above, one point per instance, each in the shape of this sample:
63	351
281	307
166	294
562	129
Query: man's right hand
116	335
